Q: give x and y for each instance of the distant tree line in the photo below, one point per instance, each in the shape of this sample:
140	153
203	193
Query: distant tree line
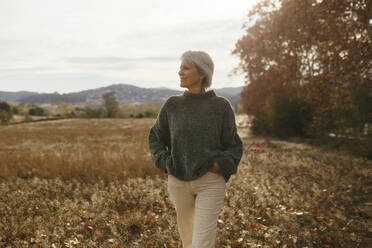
109	109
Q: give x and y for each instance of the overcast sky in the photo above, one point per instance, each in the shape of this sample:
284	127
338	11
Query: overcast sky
73	45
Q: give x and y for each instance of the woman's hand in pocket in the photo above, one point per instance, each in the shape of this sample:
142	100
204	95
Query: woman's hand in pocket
215	168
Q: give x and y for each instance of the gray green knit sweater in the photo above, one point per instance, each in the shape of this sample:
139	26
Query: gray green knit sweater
191	132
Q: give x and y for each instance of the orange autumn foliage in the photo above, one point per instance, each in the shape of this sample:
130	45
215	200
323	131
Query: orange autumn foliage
318	50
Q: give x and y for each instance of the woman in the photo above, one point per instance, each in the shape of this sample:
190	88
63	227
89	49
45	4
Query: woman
195	142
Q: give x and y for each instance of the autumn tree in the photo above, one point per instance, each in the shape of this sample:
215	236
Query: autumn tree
111	105
319	50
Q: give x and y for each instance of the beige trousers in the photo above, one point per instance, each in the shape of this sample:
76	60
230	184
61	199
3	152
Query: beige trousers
198	204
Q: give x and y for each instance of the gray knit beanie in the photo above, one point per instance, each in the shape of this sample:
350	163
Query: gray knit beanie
203	64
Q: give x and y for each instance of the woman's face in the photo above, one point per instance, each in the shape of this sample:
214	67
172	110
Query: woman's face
189	75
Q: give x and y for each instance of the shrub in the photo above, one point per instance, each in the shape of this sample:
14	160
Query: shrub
27	118
291	117
361	109
150	113
260	126
71	114
37	111
15	110
94	112
5	113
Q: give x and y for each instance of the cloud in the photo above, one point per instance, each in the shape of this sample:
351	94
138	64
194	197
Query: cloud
71	45
217	34
64	82
114	60
25	69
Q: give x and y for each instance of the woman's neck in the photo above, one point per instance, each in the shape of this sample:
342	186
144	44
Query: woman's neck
197	90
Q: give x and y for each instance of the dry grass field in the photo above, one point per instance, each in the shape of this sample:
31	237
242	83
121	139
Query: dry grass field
84	149
91	183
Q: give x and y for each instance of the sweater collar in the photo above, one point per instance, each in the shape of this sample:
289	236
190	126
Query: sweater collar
202	95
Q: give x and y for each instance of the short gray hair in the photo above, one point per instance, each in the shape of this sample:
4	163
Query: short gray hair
203	63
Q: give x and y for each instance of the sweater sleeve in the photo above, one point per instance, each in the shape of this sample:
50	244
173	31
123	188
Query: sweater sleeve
229	158
159	140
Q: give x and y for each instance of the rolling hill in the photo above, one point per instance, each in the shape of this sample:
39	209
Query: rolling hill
125	93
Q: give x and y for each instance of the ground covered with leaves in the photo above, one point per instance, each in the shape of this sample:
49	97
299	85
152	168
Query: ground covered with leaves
284	195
